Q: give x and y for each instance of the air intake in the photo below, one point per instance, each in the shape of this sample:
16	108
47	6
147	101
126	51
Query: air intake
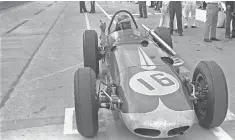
178	131
147	132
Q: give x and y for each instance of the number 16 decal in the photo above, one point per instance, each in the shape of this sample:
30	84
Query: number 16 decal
154	83
160	78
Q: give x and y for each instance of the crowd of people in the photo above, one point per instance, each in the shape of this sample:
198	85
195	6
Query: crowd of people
181	9
83	7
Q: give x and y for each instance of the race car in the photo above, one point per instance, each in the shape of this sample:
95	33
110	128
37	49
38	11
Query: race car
142	81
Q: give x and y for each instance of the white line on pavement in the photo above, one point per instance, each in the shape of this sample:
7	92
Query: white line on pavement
105	12
230	116
68	122
87	22
221	134
51	74
57	72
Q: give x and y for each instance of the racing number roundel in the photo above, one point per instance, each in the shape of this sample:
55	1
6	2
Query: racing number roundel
153	83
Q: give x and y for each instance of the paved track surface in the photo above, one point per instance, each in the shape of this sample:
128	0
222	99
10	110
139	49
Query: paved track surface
4	5
41	48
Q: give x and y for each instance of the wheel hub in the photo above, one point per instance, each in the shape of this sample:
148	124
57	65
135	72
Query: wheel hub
201	90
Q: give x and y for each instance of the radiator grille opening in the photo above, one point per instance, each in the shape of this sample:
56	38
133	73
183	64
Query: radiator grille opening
147	132
178	131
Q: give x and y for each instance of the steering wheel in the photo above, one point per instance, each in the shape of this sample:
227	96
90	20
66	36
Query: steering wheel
111	22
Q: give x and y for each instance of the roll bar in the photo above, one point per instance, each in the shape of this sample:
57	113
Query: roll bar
111	22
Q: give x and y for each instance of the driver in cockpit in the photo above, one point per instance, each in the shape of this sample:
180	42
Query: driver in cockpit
124	22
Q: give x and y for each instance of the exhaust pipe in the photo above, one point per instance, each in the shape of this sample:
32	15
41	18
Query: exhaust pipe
154	35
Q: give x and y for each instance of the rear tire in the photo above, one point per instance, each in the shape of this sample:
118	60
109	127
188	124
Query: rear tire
86	106
90	50
213	111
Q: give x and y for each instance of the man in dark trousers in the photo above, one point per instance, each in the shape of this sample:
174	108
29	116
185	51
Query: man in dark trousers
82	6
152	4
158	5
175	8
92	6
142	9
230	16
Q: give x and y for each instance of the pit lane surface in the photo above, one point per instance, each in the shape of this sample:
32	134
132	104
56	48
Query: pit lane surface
7	5
40	56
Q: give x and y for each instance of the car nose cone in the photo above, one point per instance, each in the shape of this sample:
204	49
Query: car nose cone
159	123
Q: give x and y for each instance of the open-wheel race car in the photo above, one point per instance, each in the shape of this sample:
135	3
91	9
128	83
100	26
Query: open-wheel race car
141	80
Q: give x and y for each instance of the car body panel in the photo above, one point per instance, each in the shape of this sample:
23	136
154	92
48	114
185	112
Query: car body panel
152	92
128	36
141	97
162	118
129	55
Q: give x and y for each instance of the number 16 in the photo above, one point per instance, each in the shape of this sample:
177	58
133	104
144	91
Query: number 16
159	78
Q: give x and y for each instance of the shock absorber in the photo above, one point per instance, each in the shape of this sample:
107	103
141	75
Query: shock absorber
116	102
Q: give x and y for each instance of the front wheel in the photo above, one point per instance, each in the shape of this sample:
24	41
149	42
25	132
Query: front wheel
86	104
212	104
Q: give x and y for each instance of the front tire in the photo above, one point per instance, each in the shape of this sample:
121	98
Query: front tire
211	110
86	106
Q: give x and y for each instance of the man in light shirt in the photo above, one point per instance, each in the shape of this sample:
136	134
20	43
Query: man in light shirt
212	10
189	7
165	17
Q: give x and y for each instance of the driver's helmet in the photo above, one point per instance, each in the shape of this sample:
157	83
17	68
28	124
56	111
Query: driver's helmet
124	22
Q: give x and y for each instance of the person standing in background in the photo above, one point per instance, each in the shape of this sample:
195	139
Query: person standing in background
158	6
189	7
175	8
165	19
82	6
152	4
92	6
204	4
212	10
142	9
230	16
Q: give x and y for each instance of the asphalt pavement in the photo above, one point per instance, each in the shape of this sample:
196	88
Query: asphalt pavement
5	5
41	48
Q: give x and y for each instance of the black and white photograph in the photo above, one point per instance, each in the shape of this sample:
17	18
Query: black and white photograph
117	70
